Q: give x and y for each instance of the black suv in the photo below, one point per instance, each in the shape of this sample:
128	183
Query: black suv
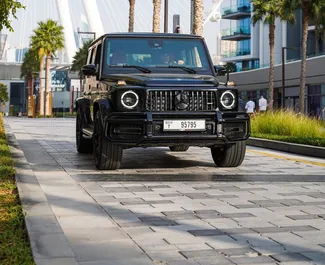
144	89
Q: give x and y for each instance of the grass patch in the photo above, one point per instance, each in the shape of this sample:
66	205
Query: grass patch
290	127
14	242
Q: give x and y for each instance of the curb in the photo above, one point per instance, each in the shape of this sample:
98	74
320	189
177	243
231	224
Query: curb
299	149
37	211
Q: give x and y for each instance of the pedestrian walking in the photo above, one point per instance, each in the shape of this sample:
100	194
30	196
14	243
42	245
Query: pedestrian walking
262	104
250	107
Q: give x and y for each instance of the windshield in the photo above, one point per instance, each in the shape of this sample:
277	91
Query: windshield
156	55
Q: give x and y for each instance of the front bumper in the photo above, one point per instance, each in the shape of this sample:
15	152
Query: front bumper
146	129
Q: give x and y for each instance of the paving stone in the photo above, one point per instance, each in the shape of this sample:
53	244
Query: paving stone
166	256
315	256
200	253
78	236
135	261
283	257
269	250
237	215
206	232
303	217
54	245
237	251
253	260
114	250
56	261
220	260
85	222
283	229
42	224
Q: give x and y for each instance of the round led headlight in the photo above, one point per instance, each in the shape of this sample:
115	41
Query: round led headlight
129	99
228	99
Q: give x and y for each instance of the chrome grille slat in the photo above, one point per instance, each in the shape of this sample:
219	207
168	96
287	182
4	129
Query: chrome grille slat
163	100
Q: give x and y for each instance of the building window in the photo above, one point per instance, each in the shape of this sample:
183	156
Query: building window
316	101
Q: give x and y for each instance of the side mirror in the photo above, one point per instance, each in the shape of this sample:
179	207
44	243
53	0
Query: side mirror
89	69
221	71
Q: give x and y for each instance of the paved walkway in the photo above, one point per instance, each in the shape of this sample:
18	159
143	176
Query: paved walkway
163	207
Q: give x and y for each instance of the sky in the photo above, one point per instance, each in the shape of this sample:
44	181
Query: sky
114	16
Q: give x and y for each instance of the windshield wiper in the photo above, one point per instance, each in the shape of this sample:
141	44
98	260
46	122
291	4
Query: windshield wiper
142	69
187	69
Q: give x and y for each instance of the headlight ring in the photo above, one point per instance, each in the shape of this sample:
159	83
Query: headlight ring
129	99
228	99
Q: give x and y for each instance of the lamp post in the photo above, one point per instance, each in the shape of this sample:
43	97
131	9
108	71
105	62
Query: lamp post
283	73
166	17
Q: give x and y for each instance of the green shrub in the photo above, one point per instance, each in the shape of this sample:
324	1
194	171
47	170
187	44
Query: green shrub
288	126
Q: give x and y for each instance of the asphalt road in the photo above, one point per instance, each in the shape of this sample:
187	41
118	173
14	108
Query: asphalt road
165	207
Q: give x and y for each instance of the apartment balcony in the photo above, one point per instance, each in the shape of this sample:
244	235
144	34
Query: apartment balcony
237	33
232	54
236	12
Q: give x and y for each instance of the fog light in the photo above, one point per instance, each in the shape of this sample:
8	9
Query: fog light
219	128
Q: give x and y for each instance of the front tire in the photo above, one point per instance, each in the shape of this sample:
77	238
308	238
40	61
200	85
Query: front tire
179	148
229	155
84	146
107	156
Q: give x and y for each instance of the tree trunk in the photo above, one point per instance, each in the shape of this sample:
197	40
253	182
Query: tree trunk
48	86
198	18
317	36
156	16
323	39
41	88
271	72
30	85
303	58
131	15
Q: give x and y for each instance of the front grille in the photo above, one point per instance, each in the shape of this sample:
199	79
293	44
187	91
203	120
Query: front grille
164	100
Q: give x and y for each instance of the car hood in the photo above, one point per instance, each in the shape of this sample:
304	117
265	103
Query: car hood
165	79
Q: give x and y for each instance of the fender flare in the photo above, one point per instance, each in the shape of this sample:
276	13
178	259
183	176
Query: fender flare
83	104
104	106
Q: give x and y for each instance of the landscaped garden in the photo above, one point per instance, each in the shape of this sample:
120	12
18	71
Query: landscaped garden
290	127
14	242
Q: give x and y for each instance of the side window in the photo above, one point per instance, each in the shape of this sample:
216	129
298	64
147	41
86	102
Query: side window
90	56
98	54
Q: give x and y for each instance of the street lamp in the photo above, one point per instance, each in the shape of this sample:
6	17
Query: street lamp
283	73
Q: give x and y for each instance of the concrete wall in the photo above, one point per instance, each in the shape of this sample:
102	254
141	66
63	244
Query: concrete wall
9	71
258	79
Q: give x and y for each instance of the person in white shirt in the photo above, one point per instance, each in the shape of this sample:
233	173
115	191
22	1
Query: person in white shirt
250	106
262	103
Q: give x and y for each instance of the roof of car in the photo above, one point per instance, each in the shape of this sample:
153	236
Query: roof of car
148	34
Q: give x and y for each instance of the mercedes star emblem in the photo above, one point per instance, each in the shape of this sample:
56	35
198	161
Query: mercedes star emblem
182	100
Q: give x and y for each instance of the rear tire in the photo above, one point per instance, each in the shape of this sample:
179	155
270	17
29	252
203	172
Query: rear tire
84	146
179	148
107	156
229	155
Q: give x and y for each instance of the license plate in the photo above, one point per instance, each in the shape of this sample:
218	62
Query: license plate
184	125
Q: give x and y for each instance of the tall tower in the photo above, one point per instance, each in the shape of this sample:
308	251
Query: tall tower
66	22
93	17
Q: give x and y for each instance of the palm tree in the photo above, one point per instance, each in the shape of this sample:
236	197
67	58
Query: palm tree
308	8
47	39
198	17
79	60
156	16
29	67
268	12
319	20
131	15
